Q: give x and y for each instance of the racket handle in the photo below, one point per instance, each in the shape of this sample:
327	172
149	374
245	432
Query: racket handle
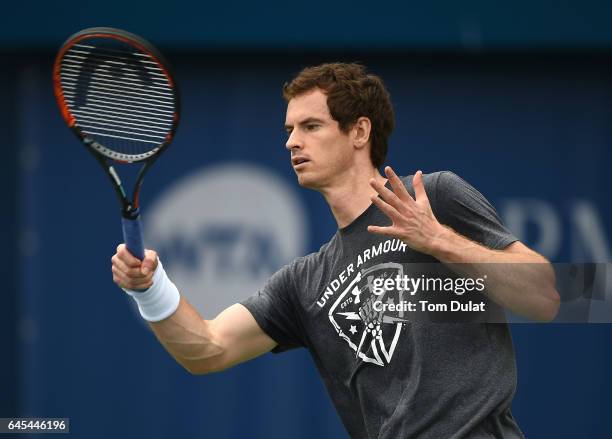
132	236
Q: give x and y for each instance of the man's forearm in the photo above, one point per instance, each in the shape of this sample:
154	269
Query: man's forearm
188	338
523	282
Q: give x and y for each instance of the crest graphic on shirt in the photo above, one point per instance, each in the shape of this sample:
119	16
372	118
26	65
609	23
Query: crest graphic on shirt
373	335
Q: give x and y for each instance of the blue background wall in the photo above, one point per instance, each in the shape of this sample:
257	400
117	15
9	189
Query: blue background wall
237	24
521	126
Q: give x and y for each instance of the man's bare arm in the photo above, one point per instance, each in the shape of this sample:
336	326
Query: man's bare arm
199	345
517	277
521	280
204	346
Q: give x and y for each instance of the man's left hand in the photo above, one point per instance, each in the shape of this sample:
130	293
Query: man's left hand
412	218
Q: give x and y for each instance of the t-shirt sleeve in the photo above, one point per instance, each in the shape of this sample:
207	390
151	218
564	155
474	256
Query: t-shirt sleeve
274	311
461	207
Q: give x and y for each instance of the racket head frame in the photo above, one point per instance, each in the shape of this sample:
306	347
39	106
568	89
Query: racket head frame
129	208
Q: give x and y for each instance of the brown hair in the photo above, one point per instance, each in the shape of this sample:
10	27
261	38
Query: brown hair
351	94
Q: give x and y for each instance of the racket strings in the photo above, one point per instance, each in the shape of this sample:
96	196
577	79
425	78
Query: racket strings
120	98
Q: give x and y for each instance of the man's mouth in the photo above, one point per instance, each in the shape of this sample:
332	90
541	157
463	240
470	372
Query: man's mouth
295	161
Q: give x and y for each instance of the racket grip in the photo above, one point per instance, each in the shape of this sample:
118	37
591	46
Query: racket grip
132	236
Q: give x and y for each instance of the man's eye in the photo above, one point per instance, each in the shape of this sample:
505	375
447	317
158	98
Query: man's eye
312	127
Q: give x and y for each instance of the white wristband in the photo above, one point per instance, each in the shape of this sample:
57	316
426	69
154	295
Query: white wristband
161	300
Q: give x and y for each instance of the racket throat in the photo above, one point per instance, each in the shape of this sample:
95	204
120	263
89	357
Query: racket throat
114	176
130	212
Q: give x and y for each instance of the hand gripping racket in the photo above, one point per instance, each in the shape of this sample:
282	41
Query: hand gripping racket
117	94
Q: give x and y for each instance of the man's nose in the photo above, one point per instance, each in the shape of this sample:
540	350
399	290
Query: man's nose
293	141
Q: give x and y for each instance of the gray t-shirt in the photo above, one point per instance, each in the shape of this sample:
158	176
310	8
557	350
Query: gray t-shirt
398	379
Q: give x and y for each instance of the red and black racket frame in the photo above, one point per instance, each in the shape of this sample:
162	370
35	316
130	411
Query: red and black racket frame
130	210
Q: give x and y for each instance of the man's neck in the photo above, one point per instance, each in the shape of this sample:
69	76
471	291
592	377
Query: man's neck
350	197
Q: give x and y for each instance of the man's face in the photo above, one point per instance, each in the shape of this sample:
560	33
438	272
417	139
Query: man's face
320	152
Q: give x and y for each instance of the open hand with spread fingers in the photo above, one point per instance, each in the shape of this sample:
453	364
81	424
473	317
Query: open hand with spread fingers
412	219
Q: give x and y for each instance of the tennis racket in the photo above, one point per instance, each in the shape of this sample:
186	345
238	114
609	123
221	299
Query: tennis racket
117	94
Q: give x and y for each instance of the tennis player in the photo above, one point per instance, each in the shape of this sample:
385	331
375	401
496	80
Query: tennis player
388	376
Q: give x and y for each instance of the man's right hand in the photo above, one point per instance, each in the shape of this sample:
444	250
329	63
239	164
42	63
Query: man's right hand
131	273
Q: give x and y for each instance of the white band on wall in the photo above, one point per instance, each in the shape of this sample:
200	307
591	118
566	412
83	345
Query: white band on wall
161	300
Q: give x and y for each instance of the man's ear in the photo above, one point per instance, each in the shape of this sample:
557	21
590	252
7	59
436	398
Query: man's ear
361	132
